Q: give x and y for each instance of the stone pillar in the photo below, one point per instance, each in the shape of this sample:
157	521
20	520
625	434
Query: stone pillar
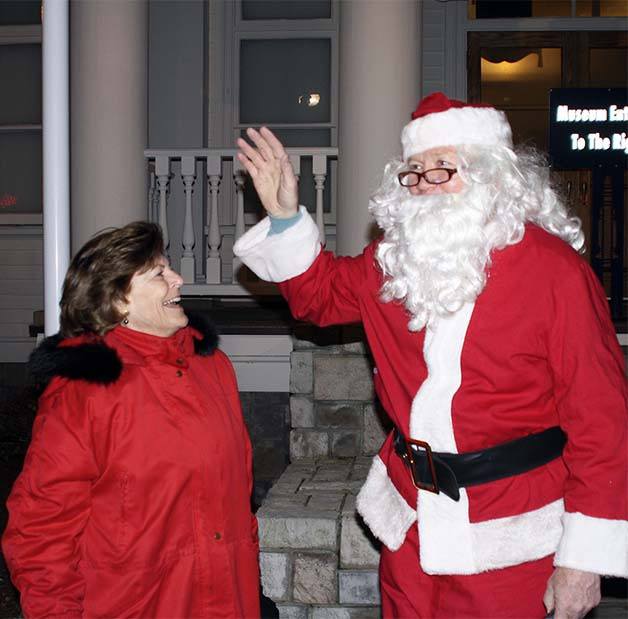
379	88
108	83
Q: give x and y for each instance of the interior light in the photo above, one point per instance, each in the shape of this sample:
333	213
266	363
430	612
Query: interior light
310	100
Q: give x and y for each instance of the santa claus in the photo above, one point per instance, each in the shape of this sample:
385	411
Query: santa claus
502	490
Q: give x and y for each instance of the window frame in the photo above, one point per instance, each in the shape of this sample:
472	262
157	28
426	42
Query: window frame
226	30
21	35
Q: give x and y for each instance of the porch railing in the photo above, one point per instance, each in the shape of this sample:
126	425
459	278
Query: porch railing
195	230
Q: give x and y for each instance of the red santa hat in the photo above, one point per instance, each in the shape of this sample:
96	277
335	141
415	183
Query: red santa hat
440	121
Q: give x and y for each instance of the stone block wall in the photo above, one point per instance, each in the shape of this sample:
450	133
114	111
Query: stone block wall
332	408
318	560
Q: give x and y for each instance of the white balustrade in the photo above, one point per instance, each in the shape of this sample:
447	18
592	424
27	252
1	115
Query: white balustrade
295	161
162	171
319	170
238	179
188	262
213	267
152	191
228	209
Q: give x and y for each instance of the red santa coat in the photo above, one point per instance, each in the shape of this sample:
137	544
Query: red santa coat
536	349
134	500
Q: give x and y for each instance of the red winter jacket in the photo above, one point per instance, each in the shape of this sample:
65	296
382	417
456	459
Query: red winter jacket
134	498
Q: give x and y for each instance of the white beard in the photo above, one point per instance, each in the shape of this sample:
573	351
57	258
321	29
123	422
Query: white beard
436	250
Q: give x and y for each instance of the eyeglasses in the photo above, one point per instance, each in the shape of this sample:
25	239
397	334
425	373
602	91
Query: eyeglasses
436	176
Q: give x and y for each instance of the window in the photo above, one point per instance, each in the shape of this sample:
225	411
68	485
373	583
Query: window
283	73
20	129
494	9
286	9
20	108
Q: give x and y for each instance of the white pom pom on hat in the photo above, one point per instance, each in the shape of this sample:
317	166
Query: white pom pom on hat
440	121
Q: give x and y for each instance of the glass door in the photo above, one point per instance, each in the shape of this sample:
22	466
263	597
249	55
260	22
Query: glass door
514	71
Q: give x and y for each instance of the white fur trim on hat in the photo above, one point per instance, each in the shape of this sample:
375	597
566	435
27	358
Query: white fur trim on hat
484	126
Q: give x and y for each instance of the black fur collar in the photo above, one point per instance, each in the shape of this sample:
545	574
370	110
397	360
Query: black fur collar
96	362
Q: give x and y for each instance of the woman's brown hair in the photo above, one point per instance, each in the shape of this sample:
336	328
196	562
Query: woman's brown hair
99	276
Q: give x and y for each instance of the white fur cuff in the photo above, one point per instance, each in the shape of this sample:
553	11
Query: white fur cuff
383	509
597	545
282	256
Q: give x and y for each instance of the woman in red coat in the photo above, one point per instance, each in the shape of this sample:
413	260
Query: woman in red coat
134	500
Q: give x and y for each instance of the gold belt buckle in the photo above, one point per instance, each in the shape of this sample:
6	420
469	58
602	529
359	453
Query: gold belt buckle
419	485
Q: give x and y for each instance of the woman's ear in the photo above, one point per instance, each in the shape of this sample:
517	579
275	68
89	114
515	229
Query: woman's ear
122	308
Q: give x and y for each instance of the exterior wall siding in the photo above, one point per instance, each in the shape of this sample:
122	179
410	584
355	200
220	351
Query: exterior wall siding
21	270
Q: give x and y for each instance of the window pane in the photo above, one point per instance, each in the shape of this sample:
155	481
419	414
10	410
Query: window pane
20	77
303	137
286	9
518	80
285	81
608	68
601	8
492	9
20	172
19	12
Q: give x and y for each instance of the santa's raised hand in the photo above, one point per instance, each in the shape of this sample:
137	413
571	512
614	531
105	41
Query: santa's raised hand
269	167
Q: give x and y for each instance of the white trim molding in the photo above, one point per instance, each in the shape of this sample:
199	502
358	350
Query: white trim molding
261	362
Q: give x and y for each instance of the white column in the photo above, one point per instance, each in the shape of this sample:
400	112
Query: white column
109	114
56	155
379	87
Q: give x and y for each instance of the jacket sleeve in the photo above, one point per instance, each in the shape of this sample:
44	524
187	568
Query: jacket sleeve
49	507
320	287
590	393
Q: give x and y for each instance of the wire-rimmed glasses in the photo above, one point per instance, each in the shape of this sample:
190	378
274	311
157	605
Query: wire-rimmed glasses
435	176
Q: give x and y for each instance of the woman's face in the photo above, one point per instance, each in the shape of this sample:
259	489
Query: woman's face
153	301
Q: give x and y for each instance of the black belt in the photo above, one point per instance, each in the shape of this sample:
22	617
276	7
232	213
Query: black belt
447	473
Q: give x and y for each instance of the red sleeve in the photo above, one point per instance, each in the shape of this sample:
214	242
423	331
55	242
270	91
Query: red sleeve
329	291
590	392
49	506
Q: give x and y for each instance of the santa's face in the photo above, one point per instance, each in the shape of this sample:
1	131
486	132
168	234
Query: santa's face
434	158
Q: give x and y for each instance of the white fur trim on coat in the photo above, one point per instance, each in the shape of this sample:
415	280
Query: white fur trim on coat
282	256
430	415
450	544
384	510
597	545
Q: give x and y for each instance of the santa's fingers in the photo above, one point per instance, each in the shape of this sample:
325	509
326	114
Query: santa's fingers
548	599
248	165
252	154
277	147
262	145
